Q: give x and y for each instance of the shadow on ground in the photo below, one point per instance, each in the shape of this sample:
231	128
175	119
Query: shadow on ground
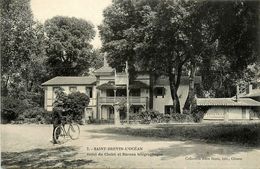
60	157
183	147
199	151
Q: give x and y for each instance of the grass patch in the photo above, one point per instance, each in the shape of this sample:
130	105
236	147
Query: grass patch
245	134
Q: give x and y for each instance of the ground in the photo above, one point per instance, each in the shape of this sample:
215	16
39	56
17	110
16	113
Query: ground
27	146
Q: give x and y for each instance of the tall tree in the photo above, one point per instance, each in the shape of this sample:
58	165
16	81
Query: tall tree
234	25
68	45
151	34
16	39
19	44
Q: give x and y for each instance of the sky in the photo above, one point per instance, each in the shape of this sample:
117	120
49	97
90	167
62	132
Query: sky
90	10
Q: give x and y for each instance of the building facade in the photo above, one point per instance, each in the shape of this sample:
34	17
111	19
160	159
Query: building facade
106	88
244	106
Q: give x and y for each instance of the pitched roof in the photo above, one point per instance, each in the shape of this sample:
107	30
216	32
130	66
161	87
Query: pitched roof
104	69
163	80
226	102
253	93
138	85
132	85
70	80
110	85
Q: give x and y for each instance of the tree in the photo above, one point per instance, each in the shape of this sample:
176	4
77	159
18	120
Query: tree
234	26
150	34
68	45
73	104
21	41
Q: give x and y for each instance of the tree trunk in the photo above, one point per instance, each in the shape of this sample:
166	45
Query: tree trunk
4	91
191	94
174	95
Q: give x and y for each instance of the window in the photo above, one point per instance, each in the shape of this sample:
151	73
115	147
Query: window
168	109
121	92
54	95
135	92
159	91
110	93
73	89
89	92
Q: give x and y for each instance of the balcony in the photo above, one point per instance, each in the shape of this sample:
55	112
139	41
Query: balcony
133	100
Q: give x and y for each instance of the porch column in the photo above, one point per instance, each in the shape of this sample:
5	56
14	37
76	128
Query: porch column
116	114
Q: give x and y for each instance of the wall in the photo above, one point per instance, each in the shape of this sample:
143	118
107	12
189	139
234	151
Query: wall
227	113
159	102
50	98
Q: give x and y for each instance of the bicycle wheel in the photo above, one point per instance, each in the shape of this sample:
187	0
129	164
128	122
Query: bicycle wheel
59	135
74	131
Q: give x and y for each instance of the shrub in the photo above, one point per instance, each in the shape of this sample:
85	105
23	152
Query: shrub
198	113
11	107
73	104
152	116
35	115
176	117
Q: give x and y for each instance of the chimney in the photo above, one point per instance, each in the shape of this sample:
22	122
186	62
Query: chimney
250	88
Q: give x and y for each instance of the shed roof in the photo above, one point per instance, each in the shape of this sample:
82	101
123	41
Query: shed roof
226	102
70	80
253	93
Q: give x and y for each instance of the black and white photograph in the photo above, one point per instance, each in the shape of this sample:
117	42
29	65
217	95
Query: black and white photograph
130	84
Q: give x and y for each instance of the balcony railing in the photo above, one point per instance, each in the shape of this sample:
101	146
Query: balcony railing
132	100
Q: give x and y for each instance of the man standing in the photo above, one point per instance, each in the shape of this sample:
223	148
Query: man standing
56	118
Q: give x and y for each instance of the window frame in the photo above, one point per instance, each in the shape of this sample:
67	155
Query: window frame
90	91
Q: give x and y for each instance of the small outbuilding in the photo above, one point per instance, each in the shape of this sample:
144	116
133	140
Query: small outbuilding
229	109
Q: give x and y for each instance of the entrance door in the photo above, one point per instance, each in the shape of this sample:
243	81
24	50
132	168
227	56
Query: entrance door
88	114
110	112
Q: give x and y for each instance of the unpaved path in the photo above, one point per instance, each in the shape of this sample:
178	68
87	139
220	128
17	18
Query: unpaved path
29	146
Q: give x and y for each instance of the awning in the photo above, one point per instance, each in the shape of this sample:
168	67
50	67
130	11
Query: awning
138	85
111	85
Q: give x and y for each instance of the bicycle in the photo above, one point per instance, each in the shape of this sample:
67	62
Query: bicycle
61	133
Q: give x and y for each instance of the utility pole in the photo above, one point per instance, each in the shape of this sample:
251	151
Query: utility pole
127	92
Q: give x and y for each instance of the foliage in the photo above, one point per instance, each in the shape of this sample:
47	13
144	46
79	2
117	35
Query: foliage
68	45
24	109
11	108
219	40
176	117
72	104
22	48
234	27
151	116
35	115
150	32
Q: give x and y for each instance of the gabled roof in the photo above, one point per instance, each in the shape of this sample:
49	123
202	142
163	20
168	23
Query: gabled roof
163	80
70	80
226	102
105	69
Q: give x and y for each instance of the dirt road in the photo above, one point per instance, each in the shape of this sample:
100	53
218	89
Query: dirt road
27	146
